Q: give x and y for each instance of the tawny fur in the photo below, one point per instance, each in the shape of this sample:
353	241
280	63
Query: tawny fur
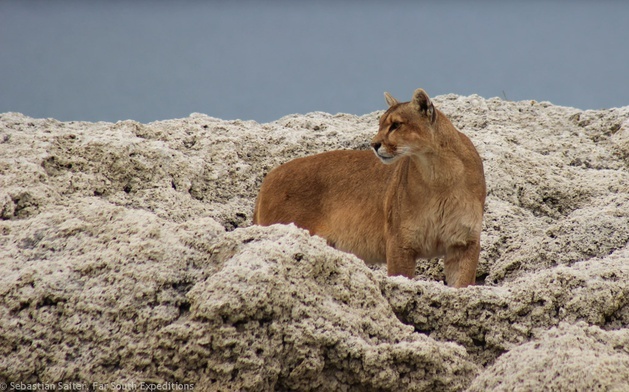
421	194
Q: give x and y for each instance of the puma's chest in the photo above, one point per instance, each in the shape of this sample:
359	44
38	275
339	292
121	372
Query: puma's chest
440	223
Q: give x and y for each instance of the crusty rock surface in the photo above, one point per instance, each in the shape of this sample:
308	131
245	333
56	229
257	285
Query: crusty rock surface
574	357
126	256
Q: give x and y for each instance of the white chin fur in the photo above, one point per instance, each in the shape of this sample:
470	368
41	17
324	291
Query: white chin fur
386	159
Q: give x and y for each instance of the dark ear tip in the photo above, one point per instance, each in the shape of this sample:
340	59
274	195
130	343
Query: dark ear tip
422	101
420	95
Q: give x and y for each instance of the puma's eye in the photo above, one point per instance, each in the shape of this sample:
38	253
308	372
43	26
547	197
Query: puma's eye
394	126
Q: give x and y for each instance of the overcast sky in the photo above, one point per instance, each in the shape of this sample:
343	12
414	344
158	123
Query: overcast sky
152	60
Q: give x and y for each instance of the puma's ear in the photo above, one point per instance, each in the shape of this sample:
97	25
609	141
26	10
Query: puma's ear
422	102
390	100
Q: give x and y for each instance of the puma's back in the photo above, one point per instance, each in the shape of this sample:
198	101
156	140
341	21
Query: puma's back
337	195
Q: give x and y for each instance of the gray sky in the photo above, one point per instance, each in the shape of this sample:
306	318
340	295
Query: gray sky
151	60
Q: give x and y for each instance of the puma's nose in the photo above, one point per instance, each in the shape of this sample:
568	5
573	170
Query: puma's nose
376	146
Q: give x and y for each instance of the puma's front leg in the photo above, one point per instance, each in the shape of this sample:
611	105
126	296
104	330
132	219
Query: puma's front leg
460	264
400	260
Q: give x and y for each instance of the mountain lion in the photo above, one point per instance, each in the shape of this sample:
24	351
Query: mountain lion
421	194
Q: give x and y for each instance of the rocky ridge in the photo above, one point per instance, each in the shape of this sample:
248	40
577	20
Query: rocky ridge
127	255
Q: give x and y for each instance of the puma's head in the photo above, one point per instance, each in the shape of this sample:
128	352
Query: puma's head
406	128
